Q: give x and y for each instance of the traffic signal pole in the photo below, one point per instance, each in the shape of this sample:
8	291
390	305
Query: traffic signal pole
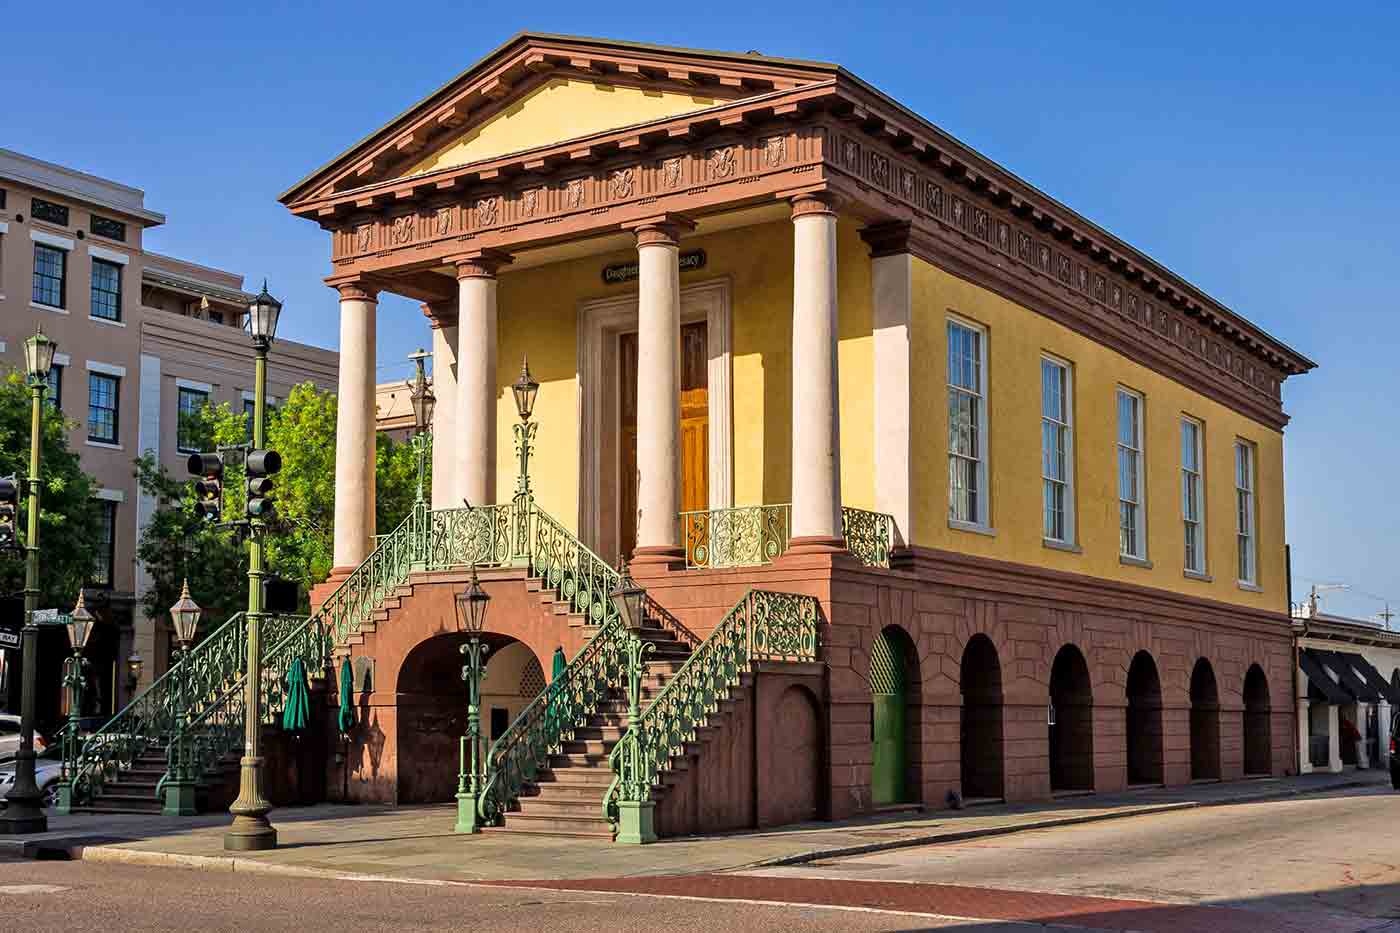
24	811
251	829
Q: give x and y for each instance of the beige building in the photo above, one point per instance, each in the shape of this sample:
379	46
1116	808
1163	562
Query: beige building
141	337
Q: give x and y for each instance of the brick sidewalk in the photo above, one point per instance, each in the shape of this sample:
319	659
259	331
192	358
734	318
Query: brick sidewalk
417	843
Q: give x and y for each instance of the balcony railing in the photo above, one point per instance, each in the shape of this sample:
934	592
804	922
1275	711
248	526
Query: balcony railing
749	536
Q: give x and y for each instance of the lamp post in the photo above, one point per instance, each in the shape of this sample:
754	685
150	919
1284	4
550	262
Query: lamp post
24	812
423	401
471	606
79	627
636	815
251	829
181	786
525	389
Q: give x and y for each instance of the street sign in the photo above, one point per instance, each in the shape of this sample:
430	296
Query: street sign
9	639
45	616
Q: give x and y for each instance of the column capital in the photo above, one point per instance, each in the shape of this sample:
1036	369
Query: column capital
440	314
480	263
355	288
815	202
661	230
887	239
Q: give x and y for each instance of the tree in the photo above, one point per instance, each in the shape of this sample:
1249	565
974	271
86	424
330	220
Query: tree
301	543
69	516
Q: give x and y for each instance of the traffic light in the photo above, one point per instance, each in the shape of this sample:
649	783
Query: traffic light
261	464
9	515
209	488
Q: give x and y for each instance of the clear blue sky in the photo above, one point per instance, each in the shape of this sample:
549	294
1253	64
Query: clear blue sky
1252	147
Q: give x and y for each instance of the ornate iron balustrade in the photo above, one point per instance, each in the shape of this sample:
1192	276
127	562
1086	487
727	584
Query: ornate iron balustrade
869	535
751	535
738	537
567	566
386	569
480	535
763	626
151	719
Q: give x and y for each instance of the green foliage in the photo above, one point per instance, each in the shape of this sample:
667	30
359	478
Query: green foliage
300	545
69	517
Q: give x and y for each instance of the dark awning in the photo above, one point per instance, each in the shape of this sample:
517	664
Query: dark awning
1345	665
1388	691
1312	665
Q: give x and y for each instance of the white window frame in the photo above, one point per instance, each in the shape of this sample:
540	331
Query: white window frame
1246	512
1193	533
981	521
1139	477
183	386
1066	426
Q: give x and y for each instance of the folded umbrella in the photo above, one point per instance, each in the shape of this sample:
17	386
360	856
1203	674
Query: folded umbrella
347	703
297	713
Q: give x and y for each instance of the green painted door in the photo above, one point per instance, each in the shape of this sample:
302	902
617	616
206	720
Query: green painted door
889	725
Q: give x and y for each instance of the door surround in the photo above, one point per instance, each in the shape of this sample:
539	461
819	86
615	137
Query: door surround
600	321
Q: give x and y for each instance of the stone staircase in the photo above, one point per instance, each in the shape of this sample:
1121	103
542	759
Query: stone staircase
134	789
566	797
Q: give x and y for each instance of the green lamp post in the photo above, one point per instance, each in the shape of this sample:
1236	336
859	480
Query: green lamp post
79	626
525	389
24	811
471	606
636	819
251	829
181	786
423	401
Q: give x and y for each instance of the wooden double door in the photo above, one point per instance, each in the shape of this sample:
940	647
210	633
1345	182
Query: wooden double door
695	426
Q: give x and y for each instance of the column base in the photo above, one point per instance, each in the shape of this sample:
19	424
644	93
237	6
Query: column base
250	833
816	544
658	557
636	822
23	824
179	799
468	820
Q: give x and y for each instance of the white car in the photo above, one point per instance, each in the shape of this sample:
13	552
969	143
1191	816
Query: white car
48	771
9	738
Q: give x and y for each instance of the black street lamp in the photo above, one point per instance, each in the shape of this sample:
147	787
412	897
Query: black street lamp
251	829
471	605
423	401
24	811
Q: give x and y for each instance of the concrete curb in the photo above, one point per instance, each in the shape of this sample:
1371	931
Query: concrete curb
1049	823
113	853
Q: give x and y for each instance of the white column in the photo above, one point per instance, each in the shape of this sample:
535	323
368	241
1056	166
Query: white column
1383	734
658	392
355	427
1334	738
1304	736
816	426
1363	757
476	378
444	408
891	280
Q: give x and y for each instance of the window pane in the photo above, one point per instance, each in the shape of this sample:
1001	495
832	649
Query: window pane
102	408
49	267
190	423
106	290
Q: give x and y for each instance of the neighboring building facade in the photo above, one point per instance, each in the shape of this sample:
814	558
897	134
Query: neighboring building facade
140	337
778	319
1348	687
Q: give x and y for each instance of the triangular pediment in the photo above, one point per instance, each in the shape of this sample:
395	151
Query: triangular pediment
540	90
559	109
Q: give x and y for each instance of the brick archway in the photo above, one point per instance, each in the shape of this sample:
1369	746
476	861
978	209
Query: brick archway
896	697
1144	721
982	748
1072	727
1258	742
1205	723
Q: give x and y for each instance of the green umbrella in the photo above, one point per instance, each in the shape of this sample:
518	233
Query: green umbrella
297	713
556	687
347	707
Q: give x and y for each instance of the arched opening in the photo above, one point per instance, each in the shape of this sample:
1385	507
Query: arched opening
792	786
1145	745
432	709
894	725
981	727
1205	723
1071	721
1257	744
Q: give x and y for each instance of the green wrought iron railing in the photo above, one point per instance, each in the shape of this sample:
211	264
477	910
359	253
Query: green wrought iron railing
584	580
763	626
750	535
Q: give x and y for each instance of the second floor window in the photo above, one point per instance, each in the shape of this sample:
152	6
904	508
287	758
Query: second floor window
106	290
104	392
1132	534
1056	452
1192	517
967	424
190	408
55	387
1244	508
50	275
107	541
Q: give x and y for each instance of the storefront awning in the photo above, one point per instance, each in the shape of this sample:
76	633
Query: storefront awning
1390	693
1311	663
1350	668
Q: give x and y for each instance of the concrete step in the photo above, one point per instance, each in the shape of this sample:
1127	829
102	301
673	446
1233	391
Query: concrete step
574	777
555	792
593	827
569	808
600	733
567	760
154	807
588	747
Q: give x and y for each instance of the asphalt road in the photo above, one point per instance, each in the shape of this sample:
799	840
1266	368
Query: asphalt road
1324	864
